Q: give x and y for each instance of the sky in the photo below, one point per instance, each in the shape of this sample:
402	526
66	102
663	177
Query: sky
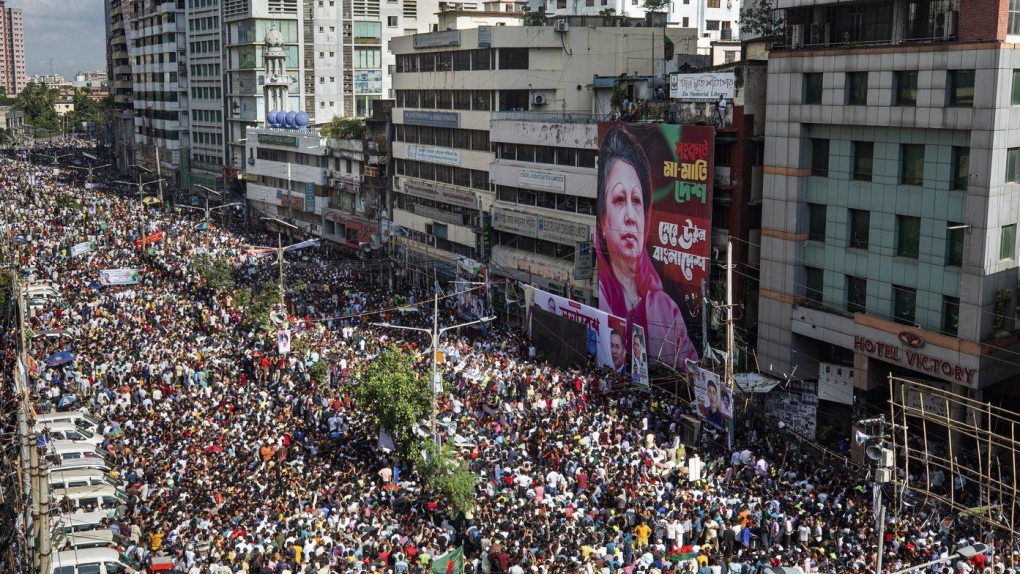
72	32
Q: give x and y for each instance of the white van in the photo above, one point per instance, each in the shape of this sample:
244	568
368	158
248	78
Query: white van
70	450
81	522
88	561
89	463
69	431
81	477
76	417
99	538
95	497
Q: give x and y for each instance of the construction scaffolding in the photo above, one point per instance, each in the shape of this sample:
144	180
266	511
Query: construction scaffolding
957	452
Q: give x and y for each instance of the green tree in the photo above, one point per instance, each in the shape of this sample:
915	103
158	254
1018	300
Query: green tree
607	15
85	110
397	397
216	273
342	128
759	18
39	104
446	475
535	18
656	5
319	371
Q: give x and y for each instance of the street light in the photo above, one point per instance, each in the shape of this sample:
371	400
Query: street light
141	198
279	246
967	552
207	209
435	386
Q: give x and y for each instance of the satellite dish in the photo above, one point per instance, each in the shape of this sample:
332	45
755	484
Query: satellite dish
862	438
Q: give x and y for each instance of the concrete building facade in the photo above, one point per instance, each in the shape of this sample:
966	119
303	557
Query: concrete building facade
13	76
120	85
466	99
891	196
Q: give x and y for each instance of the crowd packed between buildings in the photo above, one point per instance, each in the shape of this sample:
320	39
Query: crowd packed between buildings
219	436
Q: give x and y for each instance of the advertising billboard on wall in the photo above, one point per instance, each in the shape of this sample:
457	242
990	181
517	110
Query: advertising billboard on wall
603	333
653	235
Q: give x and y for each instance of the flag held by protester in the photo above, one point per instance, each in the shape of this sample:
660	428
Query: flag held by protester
450	563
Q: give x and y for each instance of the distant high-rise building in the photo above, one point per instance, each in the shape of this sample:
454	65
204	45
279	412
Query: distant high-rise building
12	50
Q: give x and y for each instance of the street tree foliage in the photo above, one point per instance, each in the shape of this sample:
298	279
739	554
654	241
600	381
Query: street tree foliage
86	109
535	18
657	5
343	128
446	475
216	273
759	18
397	397
39	104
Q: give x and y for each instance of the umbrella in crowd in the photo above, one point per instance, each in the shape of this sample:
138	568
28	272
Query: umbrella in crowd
60	358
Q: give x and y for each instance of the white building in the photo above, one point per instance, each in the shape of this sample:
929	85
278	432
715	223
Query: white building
203	69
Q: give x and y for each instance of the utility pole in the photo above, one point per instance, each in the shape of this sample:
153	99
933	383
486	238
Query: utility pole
159	175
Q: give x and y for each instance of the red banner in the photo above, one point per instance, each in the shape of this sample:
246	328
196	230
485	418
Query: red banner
151	238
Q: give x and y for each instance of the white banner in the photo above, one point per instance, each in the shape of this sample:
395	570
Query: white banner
283	342
702	87
120	276
82	248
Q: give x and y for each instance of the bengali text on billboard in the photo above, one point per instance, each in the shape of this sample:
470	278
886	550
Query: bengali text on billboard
653	218
604	330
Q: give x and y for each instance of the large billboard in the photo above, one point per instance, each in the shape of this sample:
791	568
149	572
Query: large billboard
653	236
712	399
604	340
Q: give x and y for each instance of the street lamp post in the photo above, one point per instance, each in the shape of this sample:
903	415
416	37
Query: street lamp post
279	246
435	333
141	198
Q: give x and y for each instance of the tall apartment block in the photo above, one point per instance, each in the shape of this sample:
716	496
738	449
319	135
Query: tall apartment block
121	84
156	46
12	50
335	57
892	197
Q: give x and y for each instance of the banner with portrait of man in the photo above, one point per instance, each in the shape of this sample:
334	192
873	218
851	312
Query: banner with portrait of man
712	399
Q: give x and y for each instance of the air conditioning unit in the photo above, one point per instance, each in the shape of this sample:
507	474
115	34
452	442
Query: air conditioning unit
820	34
945	25
561	26
538	99
795	35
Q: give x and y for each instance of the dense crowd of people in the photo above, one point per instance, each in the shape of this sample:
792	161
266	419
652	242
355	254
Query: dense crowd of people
241	460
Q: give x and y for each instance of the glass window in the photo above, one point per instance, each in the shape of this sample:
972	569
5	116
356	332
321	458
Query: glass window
88	568
860	228
1015	96
1013	24
816	222
864	157
1012	165
813	88
857	88
904	304
912	164
513	58
961	87
961	167
820	157
908	236
815	279
950	315
1007	241
905	84
955	234
856	294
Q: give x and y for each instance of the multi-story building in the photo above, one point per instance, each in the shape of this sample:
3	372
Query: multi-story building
12	50
534	88
156	39
335	57
358	176
713	19
121	85
203	155
891	194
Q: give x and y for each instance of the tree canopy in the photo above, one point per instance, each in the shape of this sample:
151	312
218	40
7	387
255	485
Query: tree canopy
446	475
342	128
759	18
397	397
39	104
